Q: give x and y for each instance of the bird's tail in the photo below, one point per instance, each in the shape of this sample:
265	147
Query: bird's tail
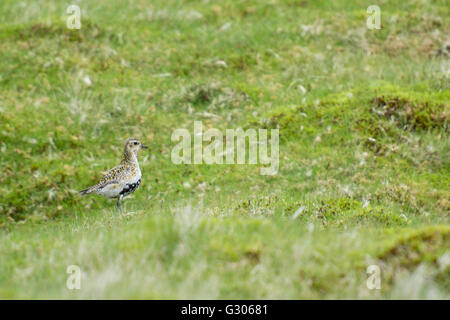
86	191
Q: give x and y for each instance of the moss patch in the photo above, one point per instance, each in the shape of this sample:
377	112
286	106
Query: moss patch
421	247
412	115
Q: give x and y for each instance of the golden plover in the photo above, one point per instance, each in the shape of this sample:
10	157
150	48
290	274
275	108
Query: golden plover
123	179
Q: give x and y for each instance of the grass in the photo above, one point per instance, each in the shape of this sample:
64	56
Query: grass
364	149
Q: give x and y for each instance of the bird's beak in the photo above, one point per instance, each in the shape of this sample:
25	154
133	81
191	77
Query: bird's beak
143	147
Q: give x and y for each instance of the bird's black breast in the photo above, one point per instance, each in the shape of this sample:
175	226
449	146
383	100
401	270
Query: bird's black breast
130	187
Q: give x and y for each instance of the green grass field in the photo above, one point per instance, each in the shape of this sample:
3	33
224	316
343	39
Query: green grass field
364	175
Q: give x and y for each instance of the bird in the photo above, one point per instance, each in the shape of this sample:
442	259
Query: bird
124	178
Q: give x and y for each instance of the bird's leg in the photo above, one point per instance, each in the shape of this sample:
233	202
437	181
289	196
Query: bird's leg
119	204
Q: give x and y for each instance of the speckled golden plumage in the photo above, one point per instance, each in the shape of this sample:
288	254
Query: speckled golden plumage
123	179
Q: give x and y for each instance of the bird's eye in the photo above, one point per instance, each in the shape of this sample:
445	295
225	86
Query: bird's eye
136	143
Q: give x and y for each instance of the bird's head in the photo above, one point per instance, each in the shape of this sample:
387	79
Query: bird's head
132	146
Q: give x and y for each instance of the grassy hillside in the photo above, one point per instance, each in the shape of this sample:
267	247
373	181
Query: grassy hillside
364	149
